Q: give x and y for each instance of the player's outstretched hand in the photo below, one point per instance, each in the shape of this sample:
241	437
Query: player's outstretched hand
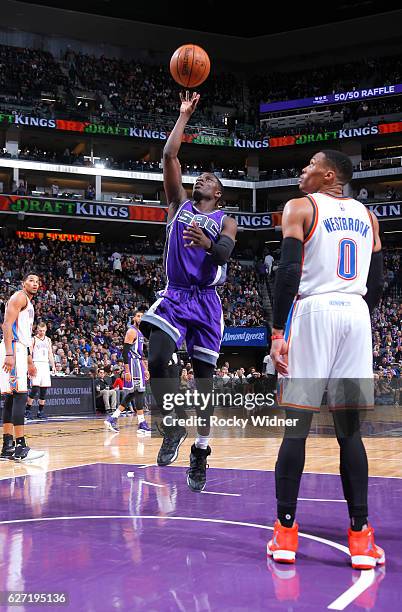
279	355
188	105
196	237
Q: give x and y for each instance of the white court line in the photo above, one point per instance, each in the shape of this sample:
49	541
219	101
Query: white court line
216	493
153	484
339	501
365	580
87	487
215	467
48	470
341	602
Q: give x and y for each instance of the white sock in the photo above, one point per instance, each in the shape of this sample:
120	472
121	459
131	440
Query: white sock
202	442
117	413
140	418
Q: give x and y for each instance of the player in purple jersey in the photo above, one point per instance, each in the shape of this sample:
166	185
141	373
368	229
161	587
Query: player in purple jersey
199	242
135	375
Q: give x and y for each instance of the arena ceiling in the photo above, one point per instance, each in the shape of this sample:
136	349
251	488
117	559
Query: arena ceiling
220	16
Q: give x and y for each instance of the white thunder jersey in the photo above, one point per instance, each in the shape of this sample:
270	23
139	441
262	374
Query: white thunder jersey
17	379
328	329
22	327
40	350
338	251
40	356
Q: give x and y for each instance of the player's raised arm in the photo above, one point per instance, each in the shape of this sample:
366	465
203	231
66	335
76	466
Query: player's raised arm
175	192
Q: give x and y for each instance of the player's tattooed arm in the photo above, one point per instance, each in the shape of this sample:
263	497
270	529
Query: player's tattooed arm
172	177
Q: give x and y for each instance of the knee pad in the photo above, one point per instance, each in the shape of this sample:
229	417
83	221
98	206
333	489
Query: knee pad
19	402
8	409
127	399
139	400
34	392
42	393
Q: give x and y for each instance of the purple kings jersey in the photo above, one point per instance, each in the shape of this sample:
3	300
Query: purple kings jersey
186	267
137	347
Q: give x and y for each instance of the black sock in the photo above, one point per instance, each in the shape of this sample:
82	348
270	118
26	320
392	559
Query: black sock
358	522
8	440
286	514
21	441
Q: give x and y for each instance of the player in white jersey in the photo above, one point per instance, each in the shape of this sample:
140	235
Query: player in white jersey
42	355
331	260
15	366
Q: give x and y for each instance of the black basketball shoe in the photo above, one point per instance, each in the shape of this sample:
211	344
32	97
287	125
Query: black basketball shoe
197	472
25	453
7	451
173	438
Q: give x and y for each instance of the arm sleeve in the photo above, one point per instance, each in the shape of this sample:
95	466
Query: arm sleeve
221	251
375	280
287	279
126	348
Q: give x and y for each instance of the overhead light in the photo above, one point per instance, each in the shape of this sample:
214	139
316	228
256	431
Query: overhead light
394	232
119	199
92	233
48	99
137	236
47	229
271	241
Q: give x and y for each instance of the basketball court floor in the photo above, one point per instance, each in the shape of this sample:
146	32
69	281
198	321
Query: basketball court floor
97	520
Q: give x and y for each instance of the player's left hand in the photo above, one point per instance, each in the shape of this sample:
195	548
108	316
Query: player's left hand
279	356
32	370
147	375
196	236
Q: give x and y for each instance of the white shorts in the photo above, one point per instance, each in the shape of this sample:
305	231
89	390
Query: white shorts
42	378
329	348
17	379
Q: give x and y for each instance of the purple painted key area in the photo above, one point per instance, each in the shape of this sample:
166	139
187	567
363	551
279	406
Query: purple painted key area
124	543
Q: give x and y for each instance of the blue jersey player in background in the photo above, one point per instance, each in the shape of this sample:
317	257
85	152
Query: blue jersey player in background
199	242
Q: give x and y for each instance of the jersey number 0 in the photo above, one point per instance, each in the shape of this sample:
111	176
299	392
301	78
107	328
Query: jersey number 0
347	259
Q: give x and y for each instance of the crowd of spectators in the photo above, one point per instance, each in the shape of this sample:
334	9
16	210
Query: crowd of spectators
118	91
89	294
327	79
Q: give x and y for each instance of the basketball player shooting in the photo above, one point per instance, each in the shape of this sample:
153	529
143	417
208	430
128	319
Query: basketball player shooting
15	365
200	241
331	258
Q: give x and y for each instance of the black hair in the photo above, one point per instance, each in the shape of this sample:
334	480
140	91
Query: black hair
29	274
341	163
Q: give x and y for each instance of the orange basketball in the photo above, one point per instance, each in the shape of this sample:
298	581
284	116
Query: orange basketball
190	65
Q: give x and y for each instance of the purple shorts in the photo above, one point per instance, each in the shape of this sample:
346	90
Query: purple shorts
194	315
137	372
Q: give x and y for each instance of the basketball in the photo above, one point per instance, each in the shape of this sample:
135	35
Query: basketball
190	65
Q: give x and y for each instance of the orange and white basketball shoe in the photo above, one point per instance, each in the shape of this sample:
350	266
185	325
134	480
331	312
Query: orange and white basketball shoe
364	553
284	543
